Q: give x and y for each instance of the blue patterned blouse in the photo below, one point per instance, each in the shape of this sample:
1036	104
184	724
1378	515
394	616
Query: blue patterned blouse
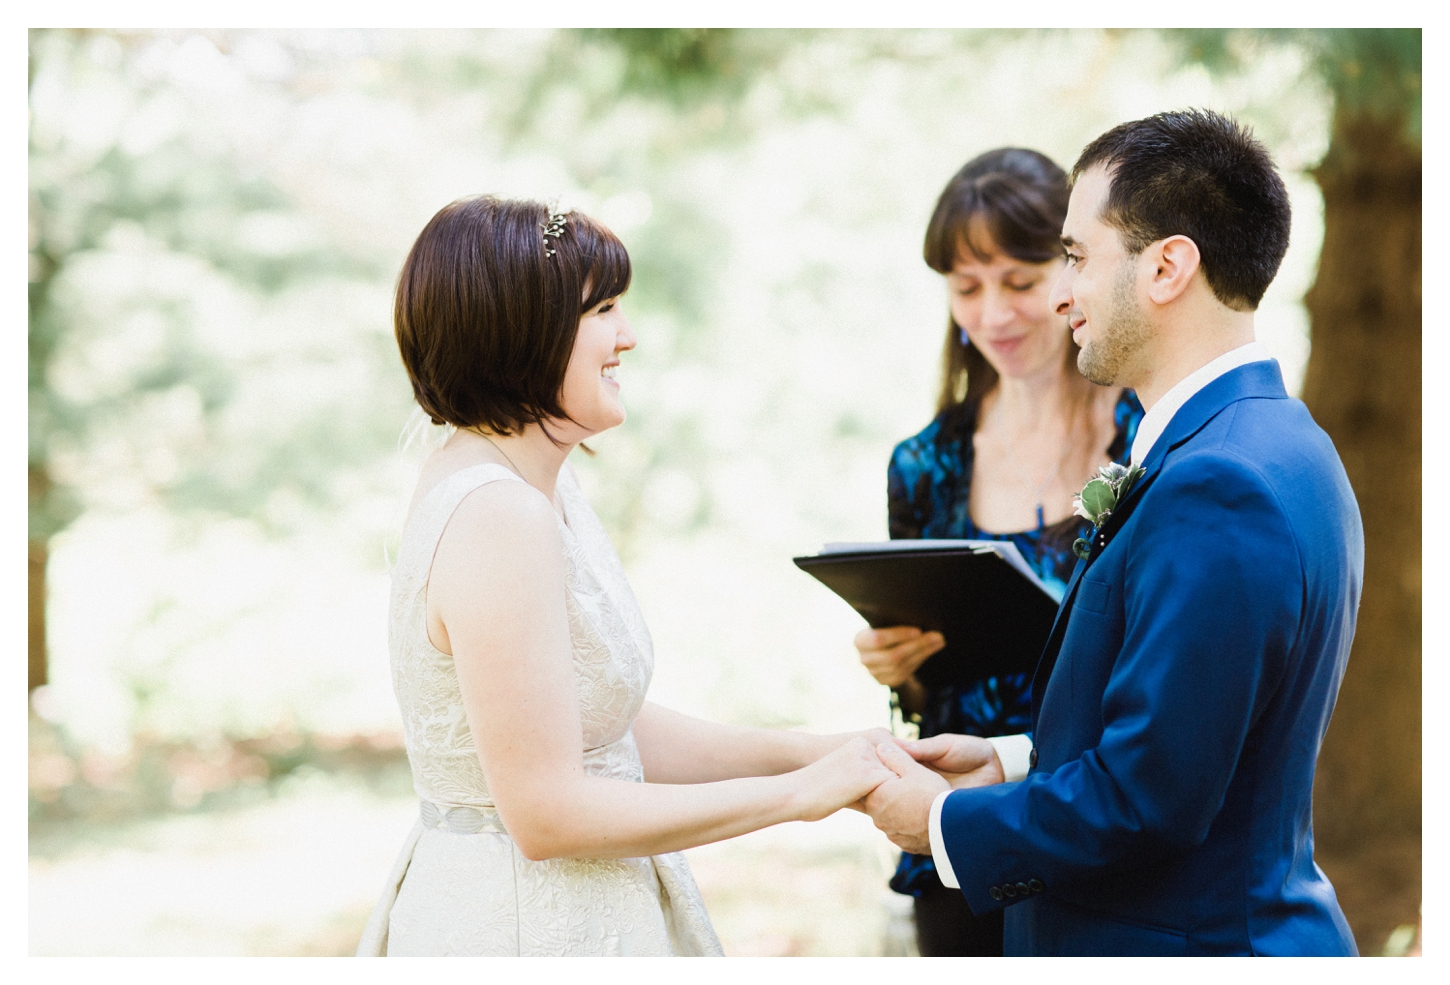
929	484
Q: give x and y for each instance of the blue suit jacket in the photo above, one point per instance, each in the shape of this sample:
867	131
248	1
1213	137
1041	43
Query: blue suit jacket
1180	703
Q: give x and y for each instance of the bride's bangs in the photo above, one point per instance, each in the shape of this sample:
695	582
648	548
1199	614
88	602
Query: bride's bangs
604	260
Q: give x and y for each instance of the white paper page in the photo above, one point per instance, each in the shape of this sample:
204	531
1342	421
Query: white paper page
872	546
1004	549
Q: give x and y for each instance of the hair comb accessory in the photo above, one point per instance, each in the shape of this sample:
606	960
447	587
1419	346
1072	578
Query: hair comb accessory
554	227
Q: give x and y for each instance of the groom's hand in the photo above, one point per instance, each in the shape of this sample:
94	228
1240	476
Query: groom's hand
901	807
962	760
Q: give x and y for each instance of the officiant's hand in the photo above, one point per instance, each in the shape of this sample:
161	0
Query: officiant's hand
901	807
962	760
892	656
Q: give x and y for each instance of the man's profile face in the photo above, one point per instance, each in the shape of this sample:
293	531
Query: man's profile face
1097	290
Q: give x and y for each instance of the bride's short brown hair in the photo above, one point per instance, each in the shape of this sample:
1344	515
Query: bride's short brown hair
485	319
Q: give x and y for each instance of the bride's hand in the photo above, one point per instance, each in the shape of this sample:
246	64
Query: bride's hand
875	736
841	779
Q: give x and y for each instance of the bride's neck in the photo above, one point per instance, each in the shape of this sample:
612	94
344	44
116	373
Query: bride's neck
530	452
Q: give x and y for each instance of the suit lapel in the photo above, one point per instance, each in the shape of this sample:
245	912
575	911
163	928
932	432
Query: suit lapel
1059	623
1260	379
1048	660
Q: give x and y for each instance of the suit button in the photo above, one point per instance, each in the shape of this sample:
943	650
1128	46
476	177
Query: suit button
995	893
1009	890
1035	885
1032	760
1022	889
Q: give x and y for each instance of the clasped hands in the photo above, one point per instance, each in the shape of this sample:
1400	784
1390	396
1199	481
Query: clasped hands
901	806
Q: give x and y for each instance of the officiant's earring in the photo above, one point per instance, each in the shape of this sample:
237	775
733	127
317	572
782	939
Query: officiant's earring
962	334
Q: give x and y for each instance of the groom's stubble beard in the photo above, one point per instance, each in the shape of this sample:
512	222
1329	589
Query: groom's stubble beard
1123	334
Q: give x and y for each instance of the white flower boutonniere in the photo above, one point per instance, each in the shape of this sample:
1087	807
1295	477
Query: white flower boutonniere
1100	497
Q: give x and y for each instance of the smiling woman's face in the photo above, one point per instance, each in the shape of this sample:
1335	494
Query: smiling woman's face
1003	304
591	393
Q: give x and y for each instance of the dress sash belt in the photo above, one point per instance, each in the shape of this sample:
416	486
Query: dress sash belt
460	820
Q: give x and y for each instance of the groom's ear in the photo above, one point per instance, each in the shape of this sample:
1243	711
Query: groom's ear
1174	260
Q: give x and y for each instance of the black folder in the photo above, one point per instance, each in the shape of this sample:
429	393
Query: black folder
994	614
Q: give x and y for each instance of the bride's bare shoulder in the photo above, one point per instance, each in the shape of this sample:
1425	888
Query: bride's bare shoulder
501	517
500	551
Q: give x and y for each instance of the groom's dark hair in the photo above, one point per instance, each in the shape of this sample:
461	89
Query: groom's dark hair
1198	174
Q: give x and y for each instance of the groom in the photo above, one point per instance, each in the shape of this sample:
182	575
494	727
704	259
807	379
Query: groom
1163	801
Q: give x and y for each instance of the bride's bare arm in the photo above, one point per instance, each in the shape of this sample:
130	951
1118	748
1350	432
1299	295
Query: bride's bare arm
496	601
677	748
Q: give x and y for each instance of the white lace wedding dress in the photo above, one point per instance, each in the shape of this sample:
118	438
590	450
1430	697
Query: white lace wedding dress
460	885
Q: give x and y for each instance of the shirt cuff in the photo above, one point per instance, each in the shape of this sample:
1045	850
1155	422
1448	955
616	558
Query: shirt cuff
938	847
1014	751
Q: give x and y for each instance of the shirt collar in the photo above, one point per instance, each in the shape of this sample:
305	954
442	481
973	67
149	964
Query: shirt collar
1156	420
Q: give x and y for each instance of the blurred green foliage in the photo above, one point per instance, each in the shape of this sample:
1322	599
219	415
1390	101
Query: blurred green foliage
73	783
217	218
687	65
683	95
1375	71
192	196
182	207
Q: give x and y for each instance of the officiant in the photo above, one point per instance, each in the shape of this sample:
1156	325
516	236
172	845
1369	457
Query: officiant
1017	432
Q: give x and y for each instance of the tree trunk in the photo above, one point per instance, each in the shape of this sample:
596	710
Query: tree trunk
39	554
1363	386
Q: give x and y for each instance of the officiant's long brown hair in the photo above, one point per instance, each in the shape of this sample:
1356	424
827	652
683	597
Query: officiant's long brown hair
1019	196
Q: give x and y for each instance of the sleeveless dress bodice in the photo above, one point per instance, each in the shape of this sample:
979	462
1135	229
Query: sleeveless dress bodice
460	885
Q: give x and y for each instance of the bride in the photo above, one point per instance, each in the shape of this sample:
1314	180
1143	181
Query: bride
555	798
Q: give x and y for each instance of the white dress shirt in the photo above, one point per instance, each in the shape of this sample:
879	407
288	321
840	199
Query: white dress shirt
1014	750
1157	418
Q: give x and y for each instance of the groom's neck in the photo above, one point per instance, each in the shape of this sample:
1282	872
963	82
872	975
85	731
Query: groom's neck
1185	343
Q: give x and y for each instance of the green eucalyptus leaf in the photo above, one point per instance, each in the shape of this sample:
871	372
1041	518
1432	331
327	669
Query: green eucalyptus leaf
1098	496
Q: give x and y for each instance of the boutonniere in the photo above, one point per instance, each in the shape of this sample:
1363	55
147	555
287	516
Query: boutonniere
1100	497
